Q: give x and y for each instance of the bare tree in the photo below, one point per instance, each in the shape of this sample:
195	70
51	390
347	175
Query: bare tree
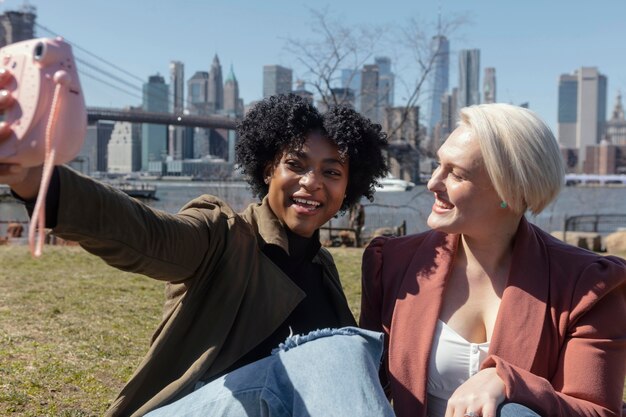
338	46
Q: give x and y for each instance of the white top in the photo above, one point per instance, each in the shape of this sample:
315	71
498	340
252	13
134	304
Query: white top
452	361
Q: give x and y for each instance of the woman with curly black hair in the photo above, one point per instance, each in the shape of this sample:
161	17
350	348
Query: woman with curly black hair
239	284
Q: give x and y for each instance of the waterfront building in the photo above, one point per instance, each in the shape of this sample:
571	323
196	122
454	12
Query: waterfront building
337	96
124	148
303	92
447	123
276	80
201	142
568	98
616	126
469	77
154	137
601	159
439	77
570	158
404	134
233	105
198	92
351	78
489	85
386	83
370	92
218	143
177	85
188	141
196	140
16	26
582	110
93	154
216	86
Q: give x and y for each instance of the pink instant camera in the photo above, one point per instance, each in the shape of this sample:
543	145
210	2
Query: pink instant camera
37	67
47	119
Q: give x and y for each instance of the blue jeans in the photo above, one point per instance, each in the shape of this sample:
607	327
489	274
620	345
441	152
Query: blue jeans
311	375
515	410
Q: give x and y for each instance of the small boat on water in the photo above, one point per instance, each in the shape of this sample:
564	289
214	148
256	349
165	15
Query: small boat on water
394	184
138	190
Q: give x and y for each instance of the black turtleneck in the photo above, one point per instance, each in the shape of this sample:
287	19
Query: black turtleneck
315	311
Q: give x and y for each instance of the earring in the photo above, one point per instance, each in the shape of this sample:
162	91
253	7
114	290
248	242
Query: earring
266	180
503	204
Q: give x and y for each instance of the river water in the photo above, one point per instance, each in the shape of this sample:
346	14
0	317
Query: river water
389	209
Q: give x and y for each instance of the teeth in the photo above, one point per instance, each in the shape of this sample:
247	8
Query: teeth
308	202
442	204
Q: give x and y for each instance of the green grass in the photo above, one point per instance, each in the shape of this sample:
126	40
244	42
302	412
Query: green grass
73	329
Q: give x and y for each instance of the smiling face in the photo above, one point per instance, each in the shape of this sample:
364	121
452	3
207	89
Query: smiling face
465	199
307	186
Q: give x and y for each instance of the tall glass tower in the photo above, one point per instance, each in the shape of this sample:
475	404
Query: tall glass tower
440	47
154	137
469	76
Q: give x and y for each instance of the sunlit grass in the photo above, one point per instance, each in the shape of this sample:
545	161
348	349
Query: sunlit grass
72	329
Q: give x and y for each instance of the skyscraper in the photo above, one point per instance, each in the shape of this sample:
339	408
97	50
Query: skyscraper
233	105
198	92
177	85
216	86
386	85
17	26
489	85
93	154
370	92
124	148
469	77
402	125
582	120
351	78
591	107
439	76
276	80
303	92
154	137
445	126
616	126
567	110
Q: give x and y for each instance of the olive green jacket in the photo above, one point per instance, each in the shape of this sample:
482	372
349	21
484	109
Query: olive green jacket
223	295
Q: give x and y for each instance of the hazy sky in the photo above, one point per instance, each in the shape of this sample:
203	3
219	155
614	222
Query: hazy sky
530	43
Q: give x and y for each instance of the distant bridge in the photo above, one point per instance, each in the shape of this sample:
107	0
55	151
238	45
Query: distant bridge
139	116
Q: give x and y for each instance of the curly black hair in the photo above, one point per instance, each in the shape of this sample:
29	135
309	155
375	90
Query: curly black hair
283	122
363	142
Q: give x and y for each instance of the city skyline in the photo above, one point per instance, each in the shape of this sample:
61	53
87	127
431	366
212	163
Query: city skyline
529	44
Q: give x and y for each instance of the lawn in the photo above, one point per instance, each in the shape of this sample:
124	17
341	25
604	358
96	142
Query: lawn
72	329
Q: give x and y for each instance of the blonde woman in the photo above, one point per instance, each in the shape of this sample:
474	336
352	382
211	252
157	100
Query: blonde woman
487	315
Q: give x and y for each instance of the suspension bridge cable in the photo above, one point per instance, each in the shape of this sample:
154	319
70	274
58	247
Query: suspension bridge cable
159	98
91	54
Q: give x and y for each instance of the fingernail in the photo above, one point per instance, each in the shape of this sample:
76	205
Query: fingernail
5	129
5	97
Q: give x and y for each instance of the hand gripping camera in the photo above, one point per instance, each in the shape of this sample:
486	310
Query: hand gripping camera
48	119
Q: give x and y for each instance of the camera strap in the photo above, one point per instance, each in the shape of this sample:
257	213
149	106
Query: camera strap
38	219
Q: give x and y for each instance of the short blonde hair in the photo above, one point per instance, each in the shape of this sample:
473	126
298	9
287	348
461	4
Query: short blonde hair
521	155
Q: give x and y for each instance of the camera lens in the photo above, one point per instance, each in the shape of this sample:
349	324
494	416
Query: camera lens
39	49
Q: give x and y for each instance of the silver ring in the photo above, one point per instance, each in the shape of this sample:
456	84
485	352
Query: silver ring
470	414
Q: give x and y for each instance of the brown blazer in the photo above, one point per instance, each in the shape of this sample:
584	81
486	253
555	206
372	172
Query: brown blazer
559	342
